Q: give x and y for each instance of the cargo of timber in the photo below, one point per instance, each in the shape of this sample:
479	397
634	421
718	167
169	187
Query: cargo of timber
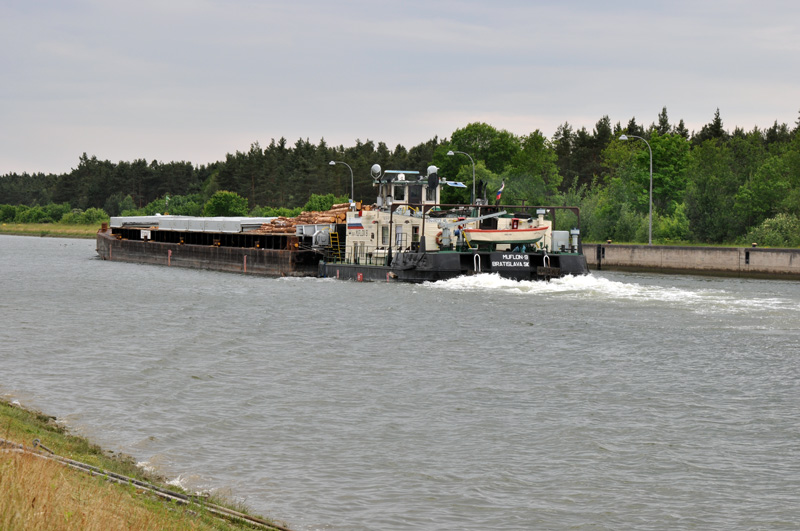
262	246
406	235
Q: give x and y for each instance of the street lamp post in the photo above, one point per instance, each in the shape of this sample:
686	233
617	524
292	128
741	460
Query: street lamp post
650	229
451	153
352	187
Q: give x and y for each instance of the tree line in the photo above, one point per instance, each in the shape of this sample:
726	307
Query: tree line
709	186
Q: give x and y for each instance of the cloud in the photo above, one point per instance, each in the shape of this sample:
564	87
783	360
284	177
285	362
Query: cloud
195	80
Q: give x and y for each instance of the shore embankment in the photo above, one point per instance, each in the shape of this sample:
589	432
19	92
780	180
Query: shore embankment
746	262
50	479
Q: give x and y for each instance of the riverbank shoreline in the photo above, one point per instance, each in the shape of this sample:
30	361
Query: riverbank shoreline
50	230
51	478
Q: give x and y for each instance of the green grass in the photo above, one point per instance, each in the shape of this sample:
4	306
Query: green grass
42	494
55	230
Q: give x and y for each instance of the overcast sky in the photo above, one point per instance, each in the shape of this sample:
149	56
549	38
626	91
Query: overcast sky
174	80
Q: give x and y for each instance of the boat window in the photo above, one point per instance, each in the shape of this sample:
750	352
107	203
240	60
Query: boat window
400	193
385	235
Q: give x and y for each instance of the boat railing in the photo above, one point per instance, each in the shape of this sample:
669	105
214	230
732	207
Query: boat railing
478	209
381	253
359	253
427	211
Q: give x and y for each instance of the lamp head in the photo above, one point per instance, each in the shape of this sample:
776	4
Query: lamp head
623	137
332	163
450	153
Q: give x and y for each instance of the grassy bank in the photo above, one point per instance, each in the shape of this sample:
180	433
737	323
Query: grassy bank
39	493
56	230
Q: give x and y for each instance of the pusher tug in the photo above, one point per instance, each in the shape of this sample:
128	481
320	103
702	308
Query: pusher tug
408	236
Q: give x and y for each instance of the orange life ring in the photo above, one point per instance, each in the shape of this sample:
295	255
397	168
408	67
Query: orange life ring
439	239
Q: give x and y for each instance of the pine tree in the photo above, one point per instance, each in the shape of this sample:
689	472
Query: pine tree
663	127
713	130
681	130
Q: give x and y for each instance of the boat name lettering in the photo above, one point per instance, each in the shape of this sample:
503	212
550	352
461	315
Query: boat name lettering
510	261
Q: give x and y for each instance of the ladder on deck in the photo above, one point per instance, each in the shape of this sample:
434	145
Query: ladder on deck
335	251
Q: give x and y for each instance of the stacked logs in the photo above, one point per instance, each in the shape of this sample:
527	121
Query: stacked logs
279	225
284	225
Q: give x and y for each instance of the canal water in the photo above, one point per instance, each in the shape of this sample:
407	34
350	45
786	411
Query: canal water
612	401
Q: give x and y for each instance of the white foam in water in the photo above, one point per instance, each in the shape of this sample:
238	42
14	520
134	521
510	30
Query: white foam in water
489	282
177	482
146	466
591	286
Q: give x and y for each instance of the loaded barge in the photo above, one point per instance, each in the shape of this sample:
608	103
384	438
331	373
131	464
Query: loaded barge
407	235
221	244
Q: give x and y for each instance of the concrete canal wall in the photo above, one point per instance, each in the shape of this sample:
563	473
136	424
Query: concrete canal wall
728	261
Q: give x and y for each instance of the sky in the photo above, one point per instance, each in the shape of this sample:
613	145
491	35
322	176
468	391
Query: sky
194	80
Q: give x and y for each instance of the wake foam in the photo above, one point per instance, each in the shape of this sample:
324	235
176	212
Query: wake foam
587	287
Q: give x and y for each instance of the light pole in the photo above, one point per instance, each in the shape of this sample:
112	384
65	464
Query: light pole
650	230
451	153
352	188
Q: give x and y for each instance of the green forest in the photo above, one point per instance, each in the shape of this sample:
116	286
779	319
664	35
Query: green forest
712	186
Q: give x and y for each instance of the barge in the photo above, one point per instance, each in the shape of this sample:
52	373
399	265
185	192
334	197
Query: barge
221	244
407	235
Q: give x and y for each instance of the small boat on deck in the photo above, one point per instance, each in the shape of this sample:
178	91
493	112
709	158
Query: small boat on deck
515	236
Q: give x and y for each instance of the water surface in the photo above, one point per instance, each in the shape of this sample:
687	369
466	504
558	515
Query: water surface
613	401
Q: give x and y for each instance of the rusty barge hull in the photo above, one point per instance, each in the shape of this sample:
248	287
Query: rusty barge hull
249	260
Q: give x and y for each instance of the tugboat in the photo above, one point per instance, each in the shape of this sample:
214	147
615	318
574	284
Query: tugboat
409	236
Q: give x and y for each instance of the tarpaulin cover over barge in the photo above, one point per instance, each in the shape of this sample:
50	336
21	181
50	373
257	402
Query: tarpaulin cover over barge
261	246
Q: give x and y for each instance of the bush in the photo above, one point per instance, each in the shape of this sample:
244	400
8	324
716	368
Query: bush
224	203
631	226
92	216
271	212
321	203
32	215
603	218
57	210
672	229
72	218
8	213
178	205
782	230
